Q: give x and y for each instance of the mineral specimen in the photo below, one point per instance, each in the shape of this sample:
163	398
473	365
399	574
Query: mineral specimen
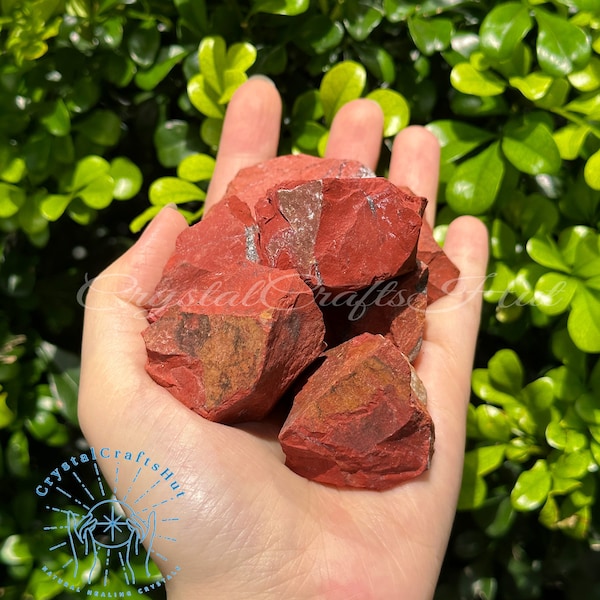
360	419
302	254
341	234
229	351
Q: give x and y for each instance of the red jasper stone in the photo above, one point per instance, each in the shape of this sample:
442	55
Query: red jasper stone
394	308
360	419
230	353
340	234
443	273
252	183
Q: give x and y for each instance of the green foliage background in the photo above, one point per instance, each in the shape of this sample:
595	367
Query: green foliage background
110	110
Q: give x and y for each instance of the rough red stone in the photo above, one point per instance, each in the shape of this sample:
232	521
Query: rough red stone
230	353
443	273
340	234
225	238
394	308
252	183
360	420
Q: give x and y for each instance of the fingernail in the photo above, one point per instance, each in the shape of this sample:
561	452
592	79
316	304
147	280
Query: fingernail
261	77
171	205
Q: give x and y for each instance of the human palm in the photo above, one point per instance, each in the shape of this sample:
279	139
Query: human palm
248	526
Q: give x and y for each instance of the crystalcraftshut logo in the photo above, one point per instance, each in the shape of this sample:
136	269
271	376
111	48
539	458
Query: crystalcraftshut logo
102	540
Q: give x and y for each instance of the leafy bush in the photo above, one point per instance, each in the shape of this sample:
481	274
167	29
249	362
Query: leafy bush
106	105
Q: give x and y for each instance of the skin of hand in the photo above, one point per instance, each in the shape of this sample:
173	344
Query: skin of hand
248	526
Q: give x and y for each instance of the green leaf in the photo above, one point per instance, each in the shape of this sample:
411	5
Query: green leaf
88	169
530	148
167	58
17	454
591	171
430	35
539	394
588	408
473	489
468	80
586	104
554	292
570	139
307	135
289	8
231	82
493	423
488	458
213	62
503	28
361	17
396	112
102	127
587	79
11	199
204	98
240	56
138	223
473	187
171	189
583	323
573	465
127	178
457	138
196	167
533	86
319	34
343	83
506	371
398	10
379	62
98	194
53	206
143	44
56	118
174	141
484	388
561	46
544	251
532	487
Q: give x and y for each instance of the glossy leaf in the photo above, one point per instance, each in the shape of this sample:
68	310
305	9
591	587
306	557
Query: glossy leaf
143	44
493	423
240	56
534	86
343	83
102	127
167	58
204	98
98	194
544	251
532	487
584	319
570	139
171	189
56	118
503	28
561	46
196	167
361	17
591	171
213	62
473	187
127	178
587	79
379	62
457	138
531	148
468	80
554	292
11	199
430	35
506	371
396	111
320	34
588	408
280	7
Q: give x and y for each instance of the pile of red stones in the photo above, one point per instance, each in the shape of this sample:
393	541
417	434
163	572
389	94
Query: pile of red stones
311	277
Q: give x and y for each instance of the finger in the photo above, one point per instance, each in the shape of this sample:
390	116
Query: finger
114	318
415	163
356	133
446	357
250	133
